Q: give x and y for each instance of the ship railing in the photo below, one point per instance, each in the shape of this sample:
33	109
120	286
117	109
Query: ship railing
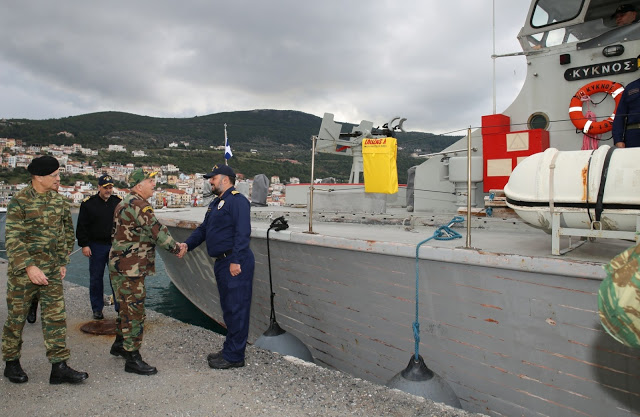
595	231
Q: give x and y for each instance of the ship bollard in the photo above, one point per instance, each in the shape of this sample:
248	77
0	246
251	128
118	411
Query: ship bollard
275	338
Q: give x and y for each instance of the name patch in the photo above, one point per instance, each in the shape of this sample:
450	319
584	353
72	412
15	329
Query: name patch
601	70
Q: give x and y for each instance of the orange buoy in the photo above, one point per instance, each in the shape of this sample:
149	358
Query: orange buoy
580	121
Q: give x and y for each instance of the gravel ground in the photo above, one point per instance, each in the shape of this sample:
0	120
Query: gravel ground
268	385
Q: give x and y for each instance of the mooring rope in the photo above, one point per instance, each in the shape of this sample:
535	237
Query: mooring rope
441	233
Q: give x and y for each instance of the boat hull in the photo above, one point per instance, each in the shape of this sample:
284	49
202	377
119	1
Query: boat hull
512	335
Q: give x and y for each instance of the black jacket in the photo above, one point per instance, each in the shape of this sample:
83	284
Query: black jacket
95	220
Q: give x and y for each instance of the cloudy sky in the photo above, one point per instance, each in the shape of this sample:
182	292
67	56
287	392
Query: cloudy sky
426	60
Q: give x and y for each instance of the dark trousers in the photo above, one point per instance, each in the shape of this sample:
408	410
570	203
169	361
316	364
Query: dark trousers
632	138
97	262
235	300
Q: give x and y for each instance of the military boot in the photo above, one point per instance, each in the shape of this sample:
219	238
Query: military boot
136	365
117	349
14	372
61	373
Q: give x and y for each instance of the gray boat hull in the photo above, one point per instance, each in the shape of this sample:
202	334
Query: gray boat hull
512	335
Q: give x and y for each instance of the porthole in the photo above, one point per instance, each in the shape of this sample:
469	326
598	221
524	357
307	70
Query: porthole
538	121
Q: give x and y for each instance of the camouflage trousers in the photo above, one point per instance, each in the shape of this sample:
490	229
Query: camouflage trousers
20	291
130	293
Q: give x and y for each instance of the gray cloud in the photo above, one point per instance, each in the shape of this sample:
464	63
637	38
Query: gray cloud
428	61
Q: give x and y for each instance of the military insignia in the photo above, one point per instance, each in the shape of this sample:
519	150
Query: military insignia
146	209
234	192
220	204
86	199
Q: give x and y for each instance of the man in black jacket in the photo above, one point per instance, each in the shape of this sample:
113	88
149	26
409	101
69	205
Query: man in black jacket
95	223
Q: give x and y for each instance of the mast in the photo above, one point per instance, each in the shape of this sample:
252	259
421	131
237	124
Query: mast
226	161
493	57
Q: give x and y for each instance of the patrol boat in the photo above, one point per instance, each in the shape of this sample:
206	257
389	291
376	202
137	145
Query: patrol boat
511	327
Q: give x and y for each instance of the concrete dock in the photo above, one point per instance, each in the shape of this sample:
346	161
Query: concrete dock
185	385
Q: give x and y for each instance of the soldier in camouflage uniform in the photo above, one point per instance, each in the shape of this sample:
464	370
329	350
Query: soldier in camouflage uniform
136	232
619	298
39	239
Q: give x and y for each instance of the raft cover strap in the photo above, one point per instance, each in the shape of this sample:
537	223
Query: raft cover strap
603	181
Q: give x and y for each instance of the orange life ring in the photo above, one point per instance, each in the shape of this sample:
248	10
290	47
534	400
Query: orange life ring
575	107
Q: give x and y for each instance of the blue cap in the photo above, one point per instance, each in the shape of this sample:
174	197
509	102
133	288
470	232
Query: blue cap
105	180
222	170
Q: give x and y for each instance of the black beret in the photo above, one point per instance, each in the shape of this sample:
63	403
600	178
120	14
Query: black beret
43	165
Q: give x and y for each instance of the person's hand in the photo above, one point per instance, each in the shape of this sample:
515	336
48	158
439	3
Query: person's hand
183	249
620	145
86	251
63	272
37	276
234	269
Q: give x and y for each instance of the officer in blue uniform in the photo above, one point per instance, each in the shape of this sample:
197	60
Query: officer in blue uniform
626	124
227	228
95	224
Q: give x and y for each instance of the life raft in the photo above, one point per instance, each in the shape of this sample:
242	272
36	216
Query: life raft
575	107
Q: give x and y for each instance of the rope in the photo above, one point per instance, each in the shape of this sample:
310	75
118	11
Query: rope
441	233
588	141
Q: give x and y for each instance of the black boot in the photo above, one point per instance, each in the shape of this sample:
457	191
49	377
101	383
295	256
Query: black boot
117	349
136	365
61	373
33	308
213	356
14	372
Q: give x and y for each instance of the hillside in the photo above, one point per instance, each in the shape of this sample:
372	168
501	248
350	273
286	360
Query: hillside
275	134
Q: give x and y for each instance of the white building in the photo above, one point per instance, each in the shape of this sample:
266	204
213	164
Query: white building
117	148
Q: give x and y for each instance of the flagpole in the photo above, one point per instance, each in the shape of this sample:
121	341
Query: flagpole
226	161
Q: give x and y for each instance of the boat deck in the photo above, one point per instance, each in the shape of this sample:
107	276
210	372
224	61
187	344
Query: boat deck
400	232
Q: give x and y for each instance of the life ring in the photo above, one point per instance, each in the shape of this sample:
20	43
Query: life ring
575	107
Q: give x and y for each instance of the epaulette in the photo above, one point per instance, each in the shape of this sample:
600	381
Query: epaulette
86	199
234	192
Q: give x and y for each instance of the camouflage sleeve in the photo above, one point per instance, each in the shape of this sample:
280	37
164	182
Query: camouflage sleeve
158	232
69	238
15	231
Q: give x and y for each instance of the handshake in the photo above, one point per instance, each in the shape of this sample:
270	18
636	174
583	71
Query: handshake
183	250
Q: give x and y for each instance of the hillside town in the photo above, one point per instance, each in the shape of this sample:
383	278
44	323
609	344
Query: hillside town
175	189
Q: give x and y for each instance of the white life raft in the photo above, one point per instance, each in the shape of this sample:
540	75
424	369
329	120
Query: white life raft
583	186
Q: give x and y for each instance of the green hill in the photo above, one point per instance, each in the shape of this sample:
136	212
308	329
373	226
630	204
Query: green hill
276	135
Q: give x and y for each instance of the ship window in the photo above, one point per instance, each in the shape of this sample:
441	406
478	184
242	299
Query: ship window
548	12
538	121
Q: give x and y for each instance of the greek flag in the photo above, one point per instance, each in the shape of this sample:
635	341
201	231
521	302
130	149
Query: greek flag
227	149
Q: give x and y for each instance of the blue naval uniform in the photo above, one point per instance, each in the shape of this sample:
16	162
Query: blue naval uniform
629	109
227	229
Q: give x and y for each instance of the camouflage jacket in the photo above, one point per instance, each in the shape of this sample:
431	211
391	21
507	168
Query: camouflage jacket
619	298
136	232
39	231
